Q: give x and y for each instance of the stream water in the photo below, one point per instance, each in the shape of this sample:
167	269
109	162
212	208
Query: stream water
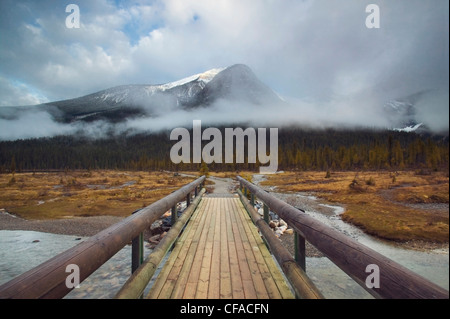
21	251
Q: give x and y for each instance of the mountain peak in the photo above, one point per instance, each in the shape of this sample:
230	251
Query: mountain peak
239	71
241	67
238	83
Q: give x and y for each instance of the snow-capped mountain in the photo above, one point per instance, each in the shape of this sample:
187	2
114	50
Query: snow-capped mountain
402	114
235	83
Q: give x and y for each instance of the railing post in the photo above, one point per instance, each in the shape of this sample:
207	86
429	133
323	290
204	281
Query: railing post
300	250
174	216
137	250
188	199
252	199
196	191
266	213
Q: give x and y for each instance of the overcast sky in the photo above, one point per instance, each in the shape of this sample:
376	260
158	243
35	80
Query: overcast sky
318	52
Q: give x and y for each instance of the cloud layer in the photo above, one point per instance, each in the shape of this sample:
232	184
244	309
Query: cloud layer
317	53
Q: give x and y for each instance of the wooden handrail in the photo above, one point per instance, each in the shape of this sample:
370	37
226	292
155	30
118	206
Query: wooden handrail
304	288
136	284
352	257
48	280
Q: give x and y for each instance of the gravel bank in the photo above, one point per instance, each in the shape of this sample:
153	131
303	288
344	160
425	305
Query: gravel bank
288	242
77	226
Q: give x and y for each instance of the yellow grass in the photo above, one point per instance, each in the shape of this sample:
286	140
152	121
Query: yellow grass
84	193
384	204
228	174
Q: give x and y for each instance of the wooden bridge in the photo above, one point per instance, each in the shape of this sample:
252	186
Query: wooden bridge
220	248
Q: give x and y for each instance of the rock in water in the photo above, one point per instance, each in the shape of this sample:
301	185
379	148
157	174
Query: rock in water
289	231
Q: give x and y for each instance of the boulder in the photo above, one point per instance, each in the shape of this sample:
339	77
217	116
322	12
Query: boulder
167	214
289	231
155	239
281	228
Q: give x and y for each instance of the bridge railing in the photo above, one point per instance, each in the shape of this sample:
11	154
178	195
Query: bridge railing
48	280
303	287
354	258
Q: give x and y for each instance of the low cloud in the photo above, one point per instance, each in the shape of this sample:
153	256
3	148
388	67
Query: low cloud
430	110
339	113
32	125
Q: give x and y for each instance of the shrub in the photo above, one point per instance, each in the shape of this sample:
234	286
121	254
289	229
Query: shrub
370	182
423	172
356	186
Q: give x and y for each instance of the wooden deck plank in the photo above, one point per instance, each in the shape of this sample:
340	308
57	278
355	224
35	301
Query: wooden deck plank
214	276
246	275
166	281
162	277
181	272
258	281
225	275
274	281
203	284
257	246
275	273
235	271
194	274
196	270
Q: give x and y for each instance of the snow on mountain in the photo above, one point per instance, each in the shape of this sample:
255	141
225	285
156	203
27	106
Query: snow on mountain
121	94
205	77
409	129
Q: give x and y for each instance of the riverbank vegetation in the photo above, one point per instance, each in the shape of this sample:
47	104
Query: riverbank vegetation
84	193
